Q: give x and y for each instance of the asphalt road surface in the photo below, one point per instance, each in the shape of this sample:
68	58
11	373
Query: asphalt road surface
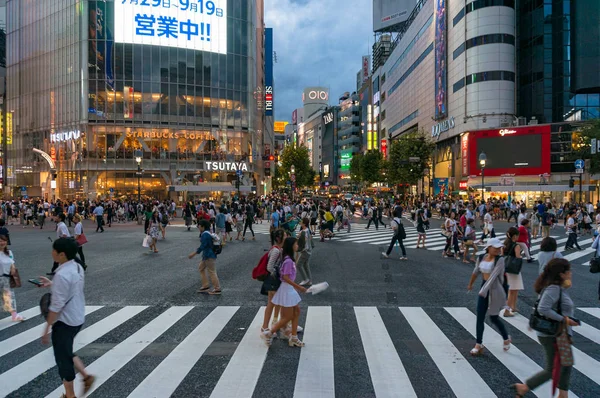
384	328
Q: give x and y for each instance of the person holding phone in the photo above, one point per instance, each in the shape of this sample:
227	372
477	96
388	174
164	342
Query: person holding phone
553	286
7	265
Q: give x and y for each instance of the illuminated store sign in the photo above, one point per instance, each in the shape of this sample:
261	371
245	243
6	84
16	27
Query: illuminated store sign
318	95
192	24
166	135
68	136
268	98
226	166
442	127
464	147
504	132
328	118
46	157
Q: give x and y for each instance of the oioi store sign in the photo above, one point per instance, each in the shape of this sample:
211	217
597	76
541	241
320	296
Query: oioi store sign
226	166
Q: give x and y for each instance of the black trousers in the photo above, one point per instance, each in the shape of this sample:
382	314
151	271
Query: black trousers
248	224
395	239
81	256
373	220
99	223
63	336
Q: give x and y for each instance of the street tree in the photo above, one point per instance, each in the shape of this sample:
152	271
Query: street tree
355	171
298	156
581	144
413	145
370	167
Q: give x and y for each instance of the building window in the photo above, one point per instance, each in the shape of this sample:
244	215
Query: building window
383	78
410	70
383	115
383	97
403	122
481	40
483	77
478	4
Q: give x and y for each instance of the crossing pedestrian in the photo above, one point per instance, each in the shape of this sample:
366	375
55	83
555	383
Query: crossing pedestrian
399	235
548	251
271	284
422	221
571	228
249	221
514	281
372	213
99	213
492	296
7	267
66	314
305	246
451	236
553	287
208	262
287	297
80	238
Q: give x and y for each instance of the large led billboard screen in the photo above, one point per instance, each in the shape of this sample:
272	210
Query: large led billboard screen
388	15
192	24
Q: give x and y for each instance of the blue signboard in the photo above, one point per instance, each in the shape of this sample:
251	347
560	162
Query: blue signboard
440	186
268	72
579	164
239	173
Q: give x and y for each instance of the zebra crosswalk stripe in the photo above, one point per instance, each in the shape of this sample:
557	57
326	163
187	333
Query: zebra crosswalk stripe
315	375
583	362
243	370
26	371
387	372
7	322
108	364
30	335
514	359
165	378
446	356
592	311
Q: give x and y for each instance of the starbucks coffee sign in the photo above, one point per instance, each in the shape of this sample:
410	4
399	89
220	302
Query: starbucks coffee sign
225	166
442	127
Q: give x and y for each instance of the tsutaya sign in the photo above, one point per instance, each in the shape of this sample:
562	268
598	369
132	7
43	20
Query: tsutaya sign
68	136
504	132
439	128
226	166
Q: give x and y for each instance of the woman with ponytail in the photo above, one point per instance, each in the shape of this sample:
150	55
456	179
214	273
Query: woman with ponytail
552	285
514	281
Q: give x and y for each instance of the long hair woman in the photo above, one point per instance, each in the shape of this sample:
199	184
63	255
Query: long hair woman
514	281
491	296
154	230
269	285
451	236
287	297
552	286
7	266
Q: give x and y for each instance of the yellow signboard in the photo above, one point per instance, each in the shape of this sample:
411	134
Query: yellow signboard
279	127
9	128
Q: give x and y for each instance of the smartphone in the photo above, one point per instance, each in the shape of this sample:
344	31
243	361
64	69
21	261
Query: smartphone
576	320
35	282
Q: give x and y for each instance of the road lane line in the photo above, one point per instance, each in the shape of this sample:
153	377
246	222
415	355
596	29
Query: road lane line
387	372
243	370
315	375
460	375
166	377
514	360
25	372
21	339
109	364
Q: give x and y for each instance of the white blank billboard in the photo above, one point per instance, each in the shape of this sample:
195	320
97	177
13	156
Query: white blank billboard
388	13
192	24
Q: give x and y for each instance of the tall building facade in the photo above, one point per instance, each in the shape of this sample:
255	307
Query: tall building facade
558	58
96	86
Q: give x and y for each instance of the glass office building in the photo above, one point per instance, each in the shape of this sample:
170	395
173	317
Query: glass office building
94	84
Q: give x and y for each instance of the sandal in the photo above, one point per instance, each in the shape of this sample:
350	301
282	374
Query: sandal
477	351
268	337
87	383
294	341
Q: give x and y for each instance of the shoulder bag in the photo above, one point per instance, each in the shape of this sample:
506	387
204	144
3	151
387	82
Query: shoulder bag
81	239
595	264
513	264
14	277
542	324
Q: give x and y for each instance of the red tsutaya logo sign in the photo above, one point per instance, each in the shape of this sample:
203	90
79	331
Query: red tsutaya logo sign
504	132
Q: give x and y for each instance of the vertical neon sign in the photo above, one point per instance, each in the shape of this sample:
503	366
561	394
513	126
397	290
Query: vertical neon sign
441	45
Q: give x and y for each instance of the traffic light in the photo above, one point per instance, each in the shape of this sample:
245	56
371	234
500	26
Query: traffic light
571	183
271	158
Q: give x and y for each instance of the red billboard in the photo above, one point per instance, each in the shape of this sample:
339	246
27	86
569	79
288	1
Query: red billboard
509	150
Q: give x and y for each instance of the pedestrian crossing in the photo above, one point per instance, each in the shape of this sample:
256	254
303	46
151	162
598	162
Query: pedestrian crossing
391	343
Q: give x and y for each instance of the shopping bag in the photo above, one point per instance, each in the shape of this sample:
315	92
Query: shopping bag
318	288
147	241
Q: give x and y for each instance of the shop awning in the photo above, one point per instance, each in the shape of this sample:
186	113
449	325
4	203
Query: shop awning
533	188
209	187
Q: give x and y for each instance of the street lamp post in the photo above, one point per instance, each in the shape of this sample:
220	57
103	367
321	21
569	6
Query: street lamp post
293	178
138	159
482	160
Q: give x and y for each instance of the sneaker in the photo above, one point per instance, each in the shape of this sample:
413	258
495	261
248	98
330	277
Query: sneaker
18	318
305	282
88	382
384	255
403	258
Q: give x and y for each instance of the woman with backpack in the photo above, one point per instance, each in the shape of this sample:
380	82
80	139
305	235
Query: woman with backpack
7	266
287	297
514	281
399	235
271	283
491	296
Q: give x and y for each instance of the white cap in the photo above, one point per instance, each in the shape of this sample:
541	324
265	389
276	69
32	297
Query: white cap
494	242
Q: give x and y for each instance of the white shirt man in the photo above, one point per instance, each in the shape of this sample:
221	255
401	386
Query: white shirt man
62	231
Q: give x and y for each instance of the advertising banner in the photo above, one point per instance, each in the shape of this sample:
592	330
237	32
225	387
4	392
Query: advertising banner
464	149
365	68
128	102
389	14
279	127
101	42
441	62
268	72
193	24
440	186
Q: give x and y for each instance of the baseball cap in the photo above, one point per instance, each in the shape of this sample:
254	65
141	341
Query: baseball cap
494	242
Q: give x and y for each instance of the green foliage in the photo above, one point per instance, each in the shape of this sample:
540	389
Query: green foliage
297	156
581	145
370	167
355	171
416	145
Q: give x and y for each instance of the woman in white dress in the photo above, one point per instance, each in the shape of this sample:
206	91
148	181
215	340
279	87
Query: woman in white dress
514	281
7	263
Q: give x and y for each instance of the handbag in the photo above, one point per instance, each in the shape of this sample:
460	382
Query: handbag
541	324
81	239
15	278
595	265
512	264
563	343
147	241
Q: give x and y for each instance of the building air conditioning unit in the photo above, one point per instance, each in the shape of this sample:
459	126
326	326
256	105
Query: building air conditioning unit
533	121
522	121
504	123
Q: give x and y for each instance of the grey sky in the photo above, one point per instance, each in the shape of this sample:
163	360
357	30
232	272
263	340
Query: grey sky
318	42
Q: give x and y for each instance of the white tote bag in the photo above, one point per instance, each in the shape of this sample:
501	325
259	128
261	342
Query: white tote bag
147	241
